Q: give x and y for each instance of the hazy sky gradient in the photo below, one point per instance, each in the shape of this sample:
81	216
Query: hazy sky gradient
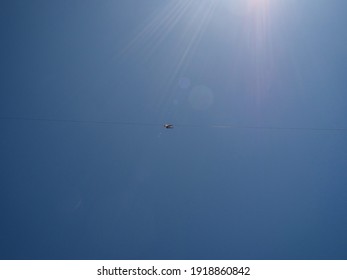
71	190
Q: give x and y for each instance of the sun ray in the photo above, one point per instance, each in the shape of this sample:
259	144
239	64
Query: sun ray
260	47
156	28
183	23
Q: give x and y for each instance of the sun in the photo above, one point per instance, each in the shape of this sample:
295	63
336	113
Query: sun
258	4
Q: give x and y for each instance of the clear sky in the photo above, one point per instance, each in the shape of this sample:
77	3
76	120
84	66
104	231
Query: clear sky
243	175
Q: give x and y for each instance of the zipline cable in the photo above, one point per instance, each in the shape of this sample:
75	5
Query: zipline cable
176	125
77	121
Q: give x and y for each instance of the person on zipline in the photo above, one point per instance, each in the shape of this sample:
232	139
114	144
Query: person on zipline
168	126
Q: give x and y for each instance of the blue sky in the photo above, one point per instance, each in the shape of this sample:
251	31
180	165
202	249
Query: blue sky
221	184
